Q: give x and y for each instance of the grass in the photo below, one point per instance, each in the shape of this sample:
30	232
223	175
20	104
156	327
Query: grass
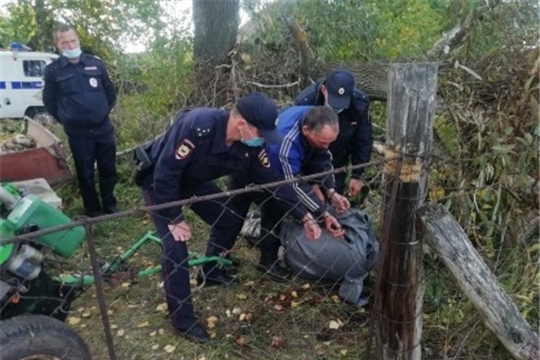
260	319
255	312
250	316
257	319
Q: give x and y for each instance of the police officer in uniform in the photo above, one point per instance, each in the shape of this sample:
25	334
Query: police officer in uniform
204	144
354	142
79	94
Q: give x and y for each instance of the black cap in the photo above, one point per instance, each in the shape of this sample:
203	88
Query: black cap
340	85
261	111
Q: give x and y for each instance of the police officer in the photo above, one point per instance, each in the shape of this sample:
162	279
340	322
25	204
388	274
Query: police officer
308	132
204	144
80	95
354	142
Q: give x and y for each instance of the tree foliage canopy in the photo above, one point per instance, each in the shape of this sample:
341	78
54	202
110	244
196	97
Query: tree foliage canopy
103	26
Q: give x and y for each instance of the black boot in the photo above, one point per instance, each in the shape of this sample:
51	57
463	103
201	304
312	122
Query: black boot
195	333
269	264
212	275
233	267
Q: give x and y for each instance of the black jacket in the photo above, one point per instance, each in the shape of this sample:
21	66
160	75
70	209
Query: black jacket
79	95
355	141
193	151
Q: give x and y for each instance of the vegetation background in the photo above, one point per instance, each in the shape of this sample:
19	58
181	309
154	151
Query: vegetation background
484	168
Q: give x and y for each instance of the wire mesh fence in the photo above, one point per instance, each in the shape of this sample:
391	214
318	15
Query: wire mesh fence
111	290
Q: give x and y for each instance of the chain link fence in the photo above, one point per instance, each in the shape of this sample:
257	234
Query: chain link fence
111	291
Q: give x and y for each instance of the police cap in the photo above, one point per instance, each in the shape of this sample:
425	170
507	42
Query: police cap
260	111
340	86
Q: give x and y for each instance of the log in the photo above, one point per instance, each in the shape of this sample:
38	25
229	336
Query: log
446	237
371	78
400	287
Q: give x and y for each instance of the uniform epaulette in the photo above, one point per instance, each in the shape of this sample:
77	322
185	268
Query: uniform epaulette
95	57
359	95
361	101
203	131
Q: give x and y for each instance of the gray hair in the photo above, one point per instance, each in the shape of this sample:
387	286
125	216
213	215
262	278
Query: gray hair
61	28
320	116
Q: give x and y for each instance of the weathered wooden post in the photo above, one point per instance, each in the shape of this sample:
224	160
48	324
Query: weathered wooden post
446	237
400	289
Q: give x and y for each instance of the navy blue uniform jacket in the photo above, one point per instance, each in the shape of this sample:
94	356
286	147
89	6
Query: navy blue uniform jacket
294	157
355	134
79	95
193	151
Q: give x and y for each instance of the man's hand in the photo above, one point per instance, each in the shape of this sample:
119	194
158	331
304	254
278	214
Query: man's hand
333	226
317	191
355	186
311	228
340	202
180	232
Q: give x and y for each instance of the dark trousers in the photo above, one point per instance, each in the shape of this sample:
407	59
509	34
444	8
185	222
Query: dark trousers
174	256
272	212
340	161
87	151
340	182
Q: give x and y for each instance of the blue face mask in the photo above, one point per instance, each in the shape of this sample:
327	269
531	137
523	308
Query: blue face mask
72	53
253	142
337	111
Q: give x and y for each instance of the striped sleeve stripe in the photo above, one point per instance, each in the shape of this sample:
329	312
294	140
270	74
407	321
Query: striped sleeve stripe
288	171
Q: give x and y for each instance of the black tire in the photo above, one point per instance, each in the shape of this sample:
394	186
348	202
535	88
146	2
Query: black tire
33	337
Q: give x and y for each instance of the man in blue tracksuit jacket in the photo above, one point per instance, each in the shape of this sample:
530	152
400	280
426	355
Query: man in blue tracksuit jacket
308	132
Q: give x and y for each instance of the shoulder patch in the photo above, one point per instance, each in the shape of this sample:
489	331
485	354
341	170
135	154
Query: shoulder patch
263	159
184	149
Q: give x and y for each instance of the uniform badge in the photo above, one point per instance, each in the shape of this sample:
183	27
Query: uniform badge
93	82
184	149
263	159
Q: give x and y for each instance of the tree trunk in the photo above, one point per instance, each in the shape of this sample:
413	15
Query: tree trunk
500	314
42	38
400	287
300	37
216	27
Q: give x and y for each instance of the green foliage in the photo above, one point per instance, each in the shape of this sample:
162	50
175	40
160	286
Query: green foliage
103	26
368	30
17	25
406	29
509	26
154	86
488	133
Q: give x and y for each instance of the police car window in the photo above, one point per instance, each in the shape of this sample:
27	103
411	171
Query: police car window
33	68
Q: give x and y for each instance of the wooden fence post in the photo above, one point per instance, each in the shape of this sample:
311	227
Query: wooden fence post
400	289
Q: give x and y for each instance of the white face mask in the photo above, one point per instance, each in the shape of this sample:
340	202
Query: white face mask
72	53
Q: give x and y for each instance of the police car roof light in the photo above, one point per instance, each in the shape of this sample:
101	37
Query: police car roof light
15	46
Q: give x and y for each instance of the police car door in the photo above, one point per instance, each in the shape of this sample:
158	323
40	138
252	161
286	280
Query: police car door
22	81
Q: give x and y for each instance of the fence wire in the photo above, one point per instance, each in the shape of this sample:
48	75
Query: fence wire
114	297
